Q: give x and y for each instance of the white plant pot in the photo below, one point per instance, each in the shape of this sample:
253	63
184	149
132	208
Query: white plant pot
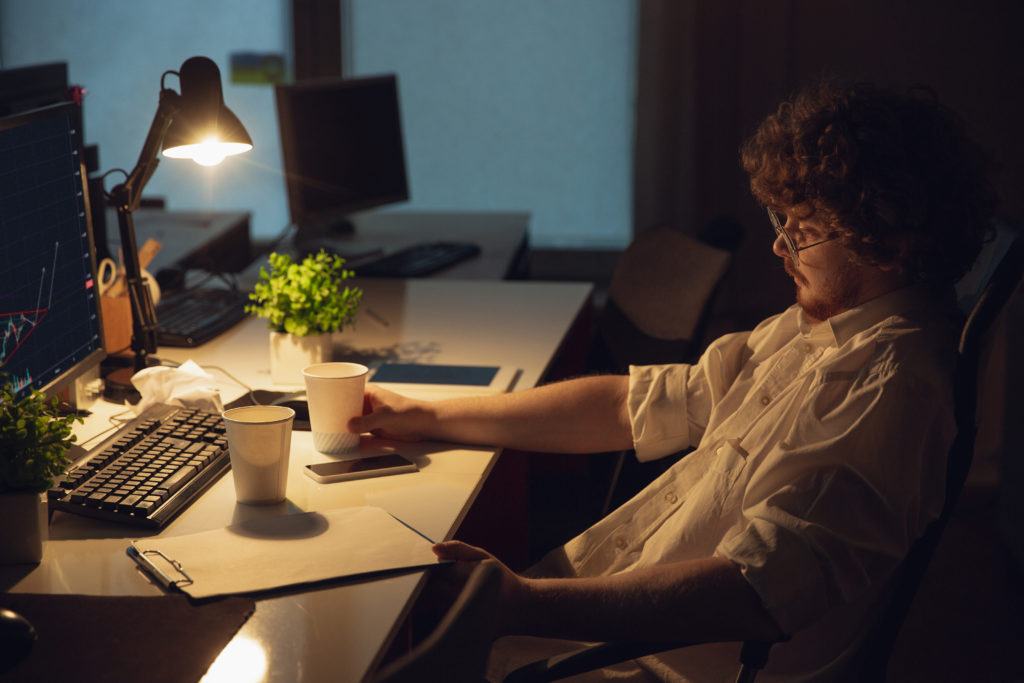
23	520
289	354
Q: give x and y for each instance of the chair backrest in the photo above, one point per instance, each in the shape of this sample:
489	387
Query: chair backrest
993	282
660	295
457	649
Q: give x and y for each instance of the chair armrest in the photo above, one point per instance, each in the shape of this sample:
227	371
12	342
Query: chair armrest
753	657
588	659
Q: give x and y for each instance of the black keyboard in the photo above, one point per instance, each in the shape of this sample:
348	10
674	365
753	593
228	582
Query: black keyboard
149	471
418	260
193	317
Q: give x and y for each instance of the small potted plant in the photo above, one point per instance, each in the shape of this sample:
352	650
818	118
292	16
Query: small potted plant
34	443
303	304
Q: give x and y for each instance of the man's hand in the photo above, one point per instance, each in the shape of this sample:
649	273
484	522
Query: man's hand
466	558
642	604
392	416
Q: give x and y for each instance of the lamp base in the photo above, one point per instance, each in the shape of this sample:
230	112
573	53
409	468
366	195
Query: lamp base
117	374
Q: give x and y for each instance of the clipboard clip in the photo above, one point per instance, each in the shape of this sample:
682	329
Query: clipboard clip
144	560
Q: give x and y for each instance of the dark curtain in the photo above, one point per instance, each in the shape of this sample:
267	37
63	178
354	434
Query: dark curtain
709	70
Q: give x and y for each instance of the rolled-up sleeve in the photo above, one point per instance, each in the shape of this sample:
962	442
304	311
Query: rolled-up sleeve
657	409
670	405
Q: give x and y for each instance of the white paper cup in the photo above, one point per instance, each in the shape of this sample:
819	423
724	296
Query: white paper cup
335	394
259	442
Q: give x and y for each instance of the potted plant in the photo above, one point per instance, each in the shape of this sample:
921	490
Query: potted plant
34	443
303	304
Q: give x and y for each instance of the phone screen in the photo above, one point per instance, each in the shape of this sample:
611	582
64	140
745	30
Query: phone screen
371	464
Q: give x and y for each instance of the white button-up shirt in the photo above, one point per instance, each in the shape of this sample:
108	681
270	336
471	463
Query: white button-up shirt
819	456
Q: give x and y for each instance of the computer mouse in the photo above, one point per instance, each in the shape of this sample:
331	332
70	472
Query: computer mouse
17	636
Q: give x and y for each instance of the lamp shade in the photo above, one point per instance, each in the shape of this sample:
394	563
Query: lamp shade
203	129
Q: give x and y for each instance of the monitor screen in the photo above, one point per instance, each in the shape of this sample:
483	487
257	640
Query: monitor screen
49	319
341	142
31	87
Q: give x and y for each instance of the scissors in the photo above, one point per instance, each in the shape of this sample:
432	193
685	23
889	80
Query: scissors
107	273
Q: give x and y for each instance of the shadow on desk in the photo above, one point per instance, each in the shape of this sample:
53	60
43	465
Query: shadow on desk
409	352
65	526
100	638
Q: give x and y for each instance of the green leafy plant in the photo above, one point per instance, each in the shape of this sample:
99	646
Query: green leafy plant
305	298
34	441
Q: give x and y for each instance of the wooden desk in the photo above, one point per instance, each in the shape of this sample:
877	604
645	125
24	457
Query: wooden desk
210	240
337	633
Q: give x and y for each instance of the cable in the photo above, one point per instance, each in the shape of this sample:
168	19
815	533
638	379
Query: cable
209	275
237	381
272	245
104	177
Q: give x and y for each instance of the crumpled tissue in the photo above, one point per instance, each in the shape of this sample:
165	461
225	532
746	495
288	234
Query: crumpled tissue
187	385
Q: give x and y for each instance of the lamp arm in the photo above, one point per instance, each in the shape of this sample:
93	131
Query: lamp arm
129	193
126	197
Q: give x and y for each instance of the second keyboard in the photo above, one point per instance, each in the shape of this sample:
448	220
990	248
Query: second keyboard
192	317
418	260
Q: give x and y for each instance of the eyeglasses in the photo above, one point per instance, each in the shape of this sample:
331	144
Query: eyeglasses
794	251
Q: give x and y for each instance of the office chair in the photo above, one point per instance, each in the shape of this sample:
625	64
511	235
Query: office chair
660	296
996	279
456	651
753	657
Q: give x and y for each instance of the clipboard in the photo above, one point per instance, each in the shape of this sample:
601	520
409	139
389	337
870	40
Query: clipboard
285	550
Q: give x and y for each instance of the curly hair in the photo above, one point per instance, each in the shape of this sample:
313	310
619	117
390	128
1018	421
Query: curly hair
894	174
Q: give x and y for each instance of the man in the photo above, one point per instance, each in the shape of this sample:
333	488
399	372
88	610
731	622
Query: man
819	437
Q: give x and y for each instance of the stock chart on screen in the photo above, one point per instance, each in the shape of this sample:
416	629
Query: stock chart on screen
48	299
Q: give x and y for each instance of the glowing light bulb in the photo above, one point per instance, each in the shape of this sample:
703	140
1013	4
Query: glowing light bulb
209	152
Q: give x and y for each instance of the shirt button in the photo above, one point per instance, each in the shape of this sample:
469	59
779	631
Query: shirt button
765	400
808	347
671	497
620	543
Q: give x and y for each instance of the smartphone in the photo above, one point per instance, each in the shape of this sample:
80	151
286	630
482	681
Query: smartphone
371	466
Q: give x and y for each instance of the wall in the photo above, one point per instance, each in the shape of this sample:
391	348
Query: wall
749	54
507	106
511	106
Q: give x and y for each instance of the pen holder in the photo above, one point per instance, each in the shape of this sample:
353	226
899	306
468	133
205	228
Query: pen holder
117	323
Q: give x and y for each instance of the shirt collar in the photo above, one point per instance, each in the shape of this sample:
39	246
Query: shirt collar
842	327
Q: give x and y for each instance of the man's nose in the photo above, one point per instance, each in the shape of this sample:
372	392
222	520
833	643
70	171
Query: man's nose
779	246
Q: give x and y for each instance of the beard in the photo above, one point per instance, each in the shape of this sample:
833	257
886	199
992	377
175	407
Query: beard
839	292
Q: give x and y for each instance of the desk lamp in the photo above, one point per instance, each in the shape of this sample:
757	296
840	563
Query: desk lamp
193	125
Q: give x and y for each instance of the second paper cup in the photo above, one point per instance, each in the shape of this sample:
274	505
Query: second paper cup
335	394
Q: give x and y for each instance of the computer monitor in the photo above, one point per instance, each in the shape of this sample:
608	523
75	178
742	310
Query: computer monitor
30	87
49	308
341	142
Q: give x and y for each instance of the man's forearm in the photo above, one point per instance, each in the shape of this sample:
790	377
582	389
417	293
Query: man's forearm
693	601
585	415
